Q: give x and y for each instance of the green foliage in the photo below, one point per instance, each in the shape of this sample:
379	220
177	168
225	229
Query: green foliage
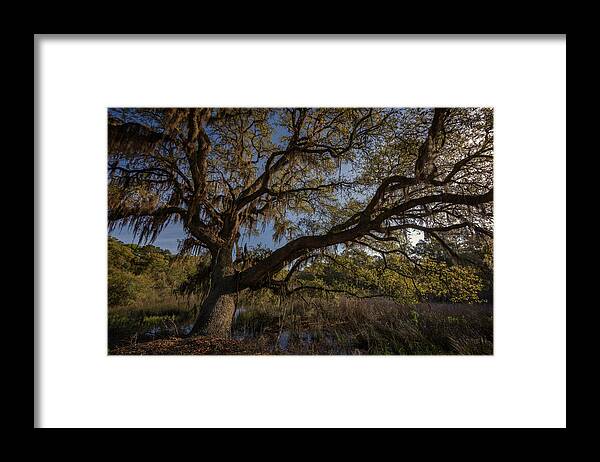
120	256
456	284
466	277
122	287
356	272
364	274
139	274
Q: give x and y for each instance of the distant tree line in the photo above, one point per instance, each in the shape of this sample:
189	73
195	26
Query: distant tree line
138	273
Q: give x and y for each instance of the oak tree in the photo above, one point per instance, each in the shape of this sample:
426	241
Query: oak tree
320	177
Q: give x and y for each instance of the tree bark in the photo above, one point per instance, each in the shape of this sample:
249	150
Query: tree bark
216	313
215	316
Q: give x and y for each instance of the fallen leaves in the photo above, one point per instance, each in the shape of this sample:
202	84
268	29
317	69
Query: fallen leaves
190	346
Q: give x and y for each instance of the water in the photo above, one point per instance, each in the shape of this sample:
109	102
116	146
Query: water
308	339
286	340
238	311
162	330
305	338
283	340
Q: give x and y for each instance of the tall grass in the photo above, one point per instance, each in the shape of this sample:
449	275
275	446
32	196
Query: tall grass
150	318
322	325
375	326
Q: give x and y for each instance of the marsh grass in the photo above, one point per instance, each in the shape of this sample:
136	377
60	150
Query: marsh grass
376	326
149	319
325	326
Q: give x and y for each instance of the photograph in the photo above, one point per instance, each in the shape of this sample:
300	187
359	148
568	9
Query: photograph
297	231
300	230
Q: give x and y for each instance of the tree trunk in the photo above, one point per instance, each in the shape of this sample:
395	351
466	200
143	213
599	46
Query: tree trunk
216	313
215	316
